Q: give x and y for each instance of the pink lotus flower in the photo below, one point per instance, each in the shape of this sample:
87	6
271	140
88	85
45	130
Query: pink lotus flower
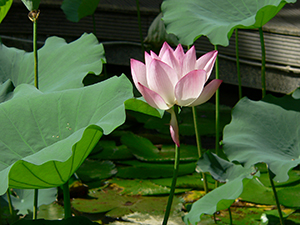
174	77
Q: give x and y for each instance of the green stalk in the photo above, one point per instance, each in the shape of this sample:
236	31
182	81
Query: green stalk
199	148
36	75
263	62
67	202
174	179
238	62
94	24
9	202
34	17
140	25
230	216
35	203
217	105
276	197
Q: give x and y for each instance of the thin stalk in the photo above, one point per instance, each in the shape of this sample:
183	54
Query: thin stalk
174	179
94	24
230	216
67	202
238	62
199	148
35	52
217	105
35	203
263	62
140	25
276	197
9	202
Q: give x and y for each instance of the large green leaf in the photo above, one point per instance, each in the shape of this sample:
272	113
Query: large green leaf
61	65
46	137
264	132
31	4
222	197
4	7
216	19
77	9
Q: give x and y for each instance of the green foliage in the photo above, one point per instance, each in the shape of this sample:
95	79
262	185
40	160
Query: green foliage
4	8
61	65
264	132
117	205
31	4
75	10
222	197
190	19
23	201
74	123
140	105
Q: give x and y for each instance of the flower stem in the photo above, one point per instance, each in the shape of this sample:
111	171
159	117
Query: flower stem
67	202
238	62
174	179
263	62
199	148
35	203
276	197
140	25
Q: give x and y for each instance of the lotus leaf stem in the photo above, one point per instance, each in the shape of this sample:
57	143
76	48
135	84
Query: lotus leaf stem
140	25
263	62
35	203
238	62
199	147
67	202
9	202
276	197
217	104
174	179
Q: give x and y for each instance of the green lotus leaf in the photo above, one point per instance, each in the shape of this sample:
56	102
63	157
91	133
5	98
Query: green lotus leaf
220	169
264	132
190	19
4	7
23	201
31	4
46	137
216	200
140	105
143	149
6	90
222	197
75	10
61	65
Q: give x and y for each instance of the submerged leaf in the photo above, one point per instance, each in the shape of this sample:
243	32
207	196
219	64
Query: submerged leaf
46	137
